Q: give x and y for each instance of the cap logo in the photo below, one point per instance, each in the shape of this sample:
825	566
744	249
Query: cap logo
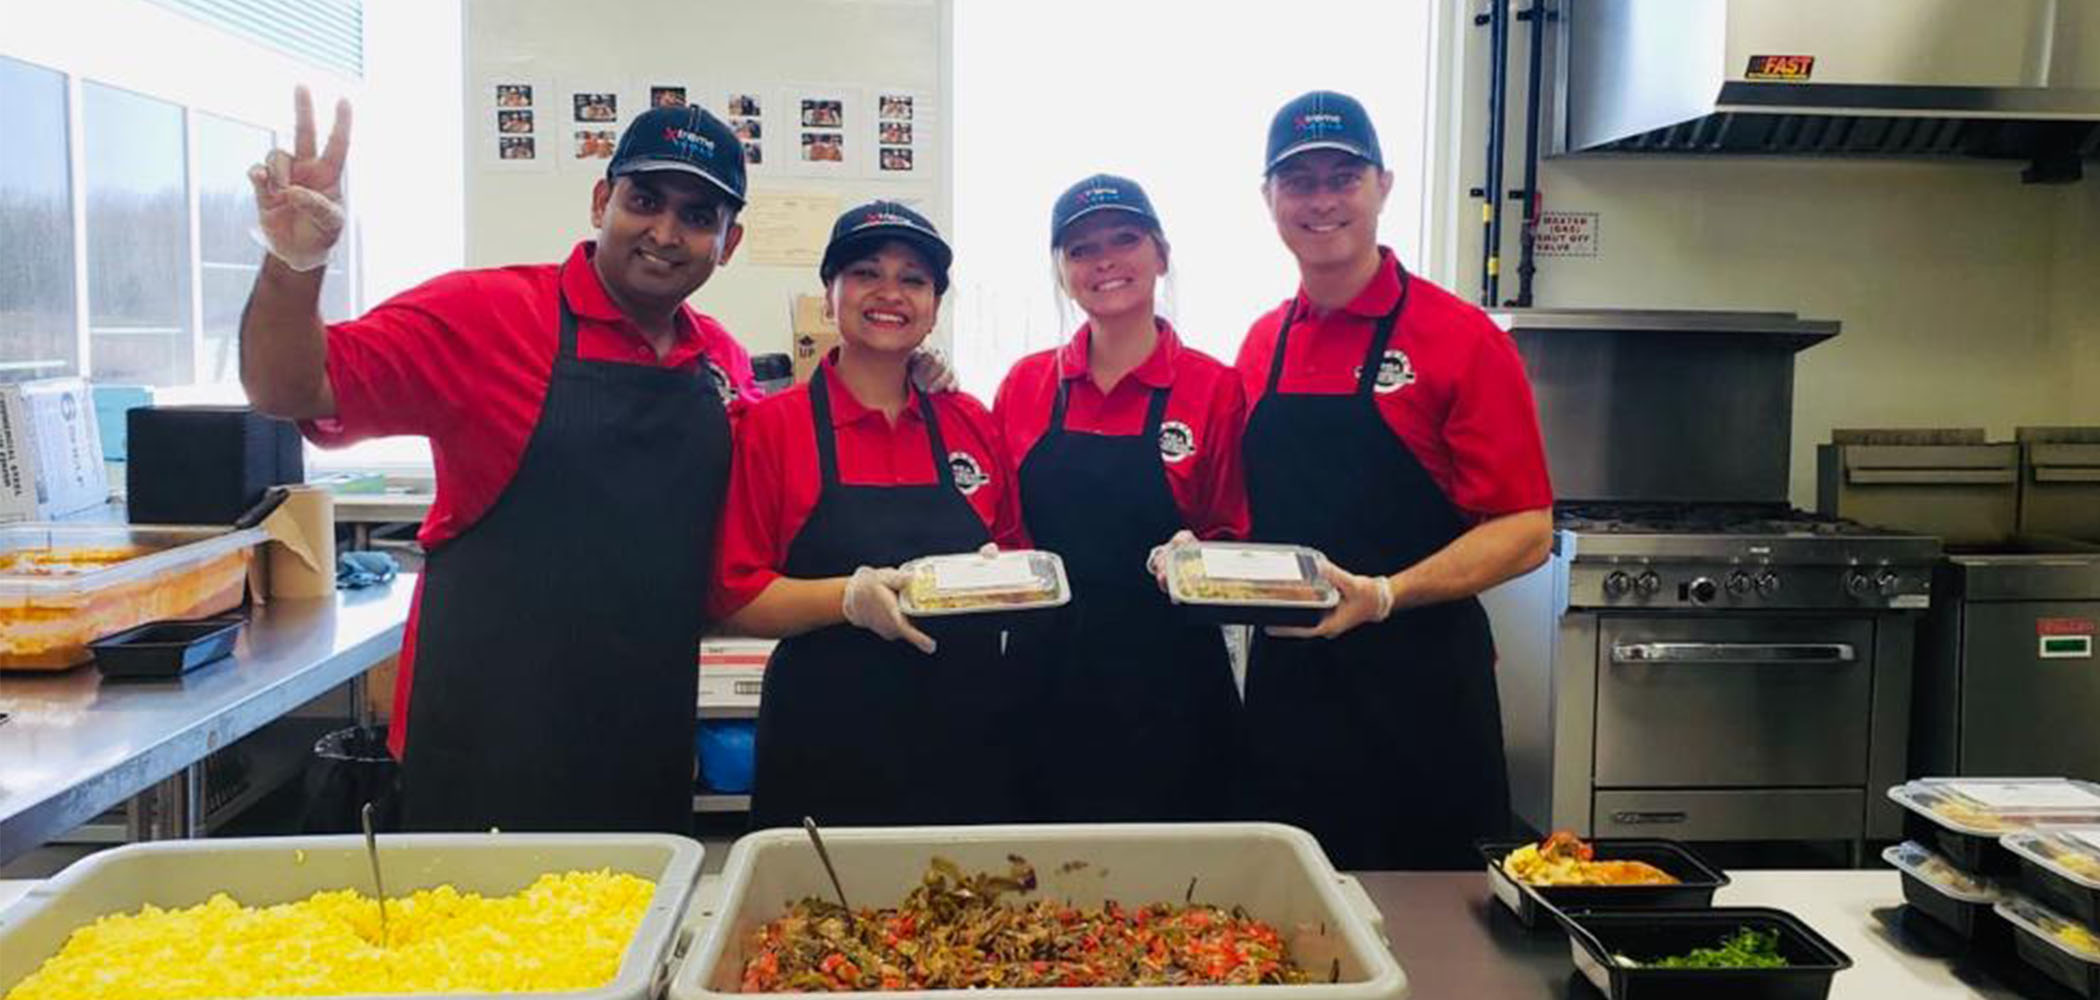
1097	194
1316	122
690	142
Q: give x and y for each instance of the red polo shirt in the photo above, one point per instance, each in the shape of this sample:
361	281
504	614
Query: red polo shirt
1454	390
1200	430
774	479
464	359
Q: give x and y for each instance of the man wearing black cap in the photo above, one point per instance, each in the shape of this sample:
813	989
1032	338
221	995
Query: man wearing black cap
578	414
1392	428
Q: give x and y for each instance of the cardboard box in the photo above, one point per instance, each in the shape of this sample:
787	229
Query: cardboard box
814	335
50	450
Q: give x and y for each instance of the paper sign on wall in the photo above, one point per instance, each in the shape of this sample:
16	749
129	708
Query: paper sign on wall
787	229
1565	234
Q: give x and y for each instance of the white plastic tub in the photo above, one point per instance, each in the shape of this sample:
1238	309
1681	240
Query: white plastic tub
1276	872
271	870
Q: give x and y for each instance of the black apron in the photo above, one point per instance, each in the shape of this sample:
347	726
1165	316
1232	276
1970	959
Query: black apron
858	730
556	674
1138	711
1384	742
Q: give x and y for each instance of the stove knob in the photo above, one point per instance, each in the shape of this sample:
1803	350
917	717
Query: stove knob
1739	583
1858	584
1617	584
1704	590
1648	584
1767	583
1887	582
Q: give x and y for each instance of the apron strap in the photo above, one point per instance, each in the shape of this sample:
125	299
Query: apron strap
1057	409
820	421
1367	375
1157	412
1283	340
941	468
565	337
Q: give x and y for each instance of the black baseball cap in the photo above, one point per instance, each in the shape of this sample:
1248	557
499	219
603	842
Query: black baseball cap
1322	119
1099	193
863	227
688	140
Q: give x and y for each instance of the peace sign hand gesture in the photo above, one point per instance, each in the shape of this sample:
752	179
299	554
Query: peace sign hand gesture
298	195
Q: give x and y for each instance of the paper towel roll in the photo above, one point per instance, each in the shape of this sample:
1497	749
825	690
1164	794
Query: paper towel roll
302	547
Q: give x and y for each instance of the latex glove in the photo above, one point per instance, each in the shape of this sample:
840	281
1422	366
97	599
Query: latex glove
930	370
1156	560
871	603
1364	599
299	195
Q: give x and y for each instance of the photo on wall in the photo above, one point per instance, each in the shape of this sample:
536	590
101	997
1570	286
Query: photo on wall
823	147
595	144
667	97
896	159
597	106
516	148
823	113
514	122
894	107
514	95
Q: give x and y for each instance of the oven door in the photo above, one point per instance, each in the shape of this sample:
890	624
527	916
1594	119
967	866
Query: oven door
1742	701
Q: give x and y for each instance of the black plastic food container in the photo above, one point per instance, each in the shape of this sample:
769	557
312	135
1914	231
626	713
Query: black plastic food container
165	648
2039	949
2053	885
1697	881
1594	936
1965	917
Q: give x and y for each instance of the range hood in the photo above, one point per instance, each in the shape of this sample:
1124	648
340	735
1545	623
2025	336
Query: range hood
2002	79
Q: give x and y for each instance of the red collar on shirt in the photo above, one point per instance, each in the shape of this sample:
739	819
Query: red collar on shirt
1375	300
846	410
587	298
1157	370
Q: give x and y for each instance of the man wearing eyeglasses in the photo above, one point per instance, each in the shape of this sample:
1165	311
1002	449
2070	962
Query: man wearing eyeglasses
1392	428
579	415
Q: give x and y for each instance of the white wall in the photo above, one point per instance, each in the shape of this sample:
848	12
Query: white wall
1967	298
517	217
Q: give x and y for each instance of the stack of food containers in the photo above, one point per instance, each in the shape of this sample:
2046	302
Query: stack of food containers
2009	865
63	586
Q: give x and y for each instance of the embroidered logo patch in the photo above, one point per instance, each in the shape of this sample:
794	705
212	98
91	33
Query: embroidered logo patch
723	387
1395	371
968	474
1176	441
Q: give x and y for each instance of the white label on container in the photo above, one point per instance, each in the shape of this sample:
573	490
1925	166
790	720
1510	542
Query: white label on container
998	573
1250	564
2013	796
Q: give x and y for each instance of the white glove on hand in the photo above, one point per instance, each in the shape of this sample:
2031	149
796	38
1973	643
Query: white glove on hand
1156	560
871	603
299	195
930	370
1363	599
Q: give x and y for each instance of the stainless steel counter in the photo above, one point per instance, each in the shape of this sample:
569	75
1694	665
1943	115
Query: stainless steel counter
74	745
1457	943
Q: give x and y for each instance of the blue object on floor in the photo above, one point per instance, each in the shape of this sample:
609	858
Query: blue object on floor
357	570
726	754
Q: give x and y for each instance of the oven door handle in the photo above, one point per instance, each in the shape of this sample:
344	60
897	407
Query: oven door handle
1733	652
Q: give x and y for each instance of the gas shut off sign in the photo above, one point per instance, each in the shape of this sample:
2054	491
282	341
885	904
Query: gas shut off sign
1565	234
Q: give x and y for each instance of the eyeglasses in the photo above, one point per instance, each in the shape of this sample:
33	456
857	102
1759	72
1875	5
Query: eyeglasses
1301	184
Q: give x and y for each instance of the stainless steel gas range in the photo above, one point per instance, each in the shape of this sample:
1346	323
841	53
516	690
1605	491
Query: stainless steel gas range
1711	673
1698	660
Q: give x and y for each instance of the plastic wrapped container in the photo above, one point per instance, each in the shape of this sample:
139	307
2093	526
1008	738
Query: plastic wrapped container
1955	900
1248	583
972	584
271	870
1696	879
63	586
2063	950
1276	872
165	649
1963	818
2060	867
1596	937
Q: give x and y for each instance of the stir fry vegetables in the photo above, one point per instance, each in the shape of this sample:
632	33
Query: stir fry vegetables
954	932
1745	949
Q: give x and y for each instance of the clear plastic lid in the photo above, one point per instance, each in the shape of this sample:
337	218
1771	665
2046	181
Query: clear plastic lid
1248	574
1989	807
2070	937
969	583
1914	860
2072	851
52	559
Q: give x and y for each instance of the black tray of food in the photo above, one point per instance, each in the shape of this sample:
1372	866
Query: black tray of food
2060	868
1696	881
2062	949
165	648
1959	904
1603	942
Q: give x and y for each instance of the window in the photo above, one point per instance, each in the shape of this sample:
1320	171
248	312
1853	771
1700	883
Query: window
138	240
227	258
39	335
1046	94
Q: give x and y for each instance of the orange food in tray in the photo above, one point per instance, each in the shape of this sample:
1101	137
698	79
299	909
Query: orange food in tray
1563	859
49	629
